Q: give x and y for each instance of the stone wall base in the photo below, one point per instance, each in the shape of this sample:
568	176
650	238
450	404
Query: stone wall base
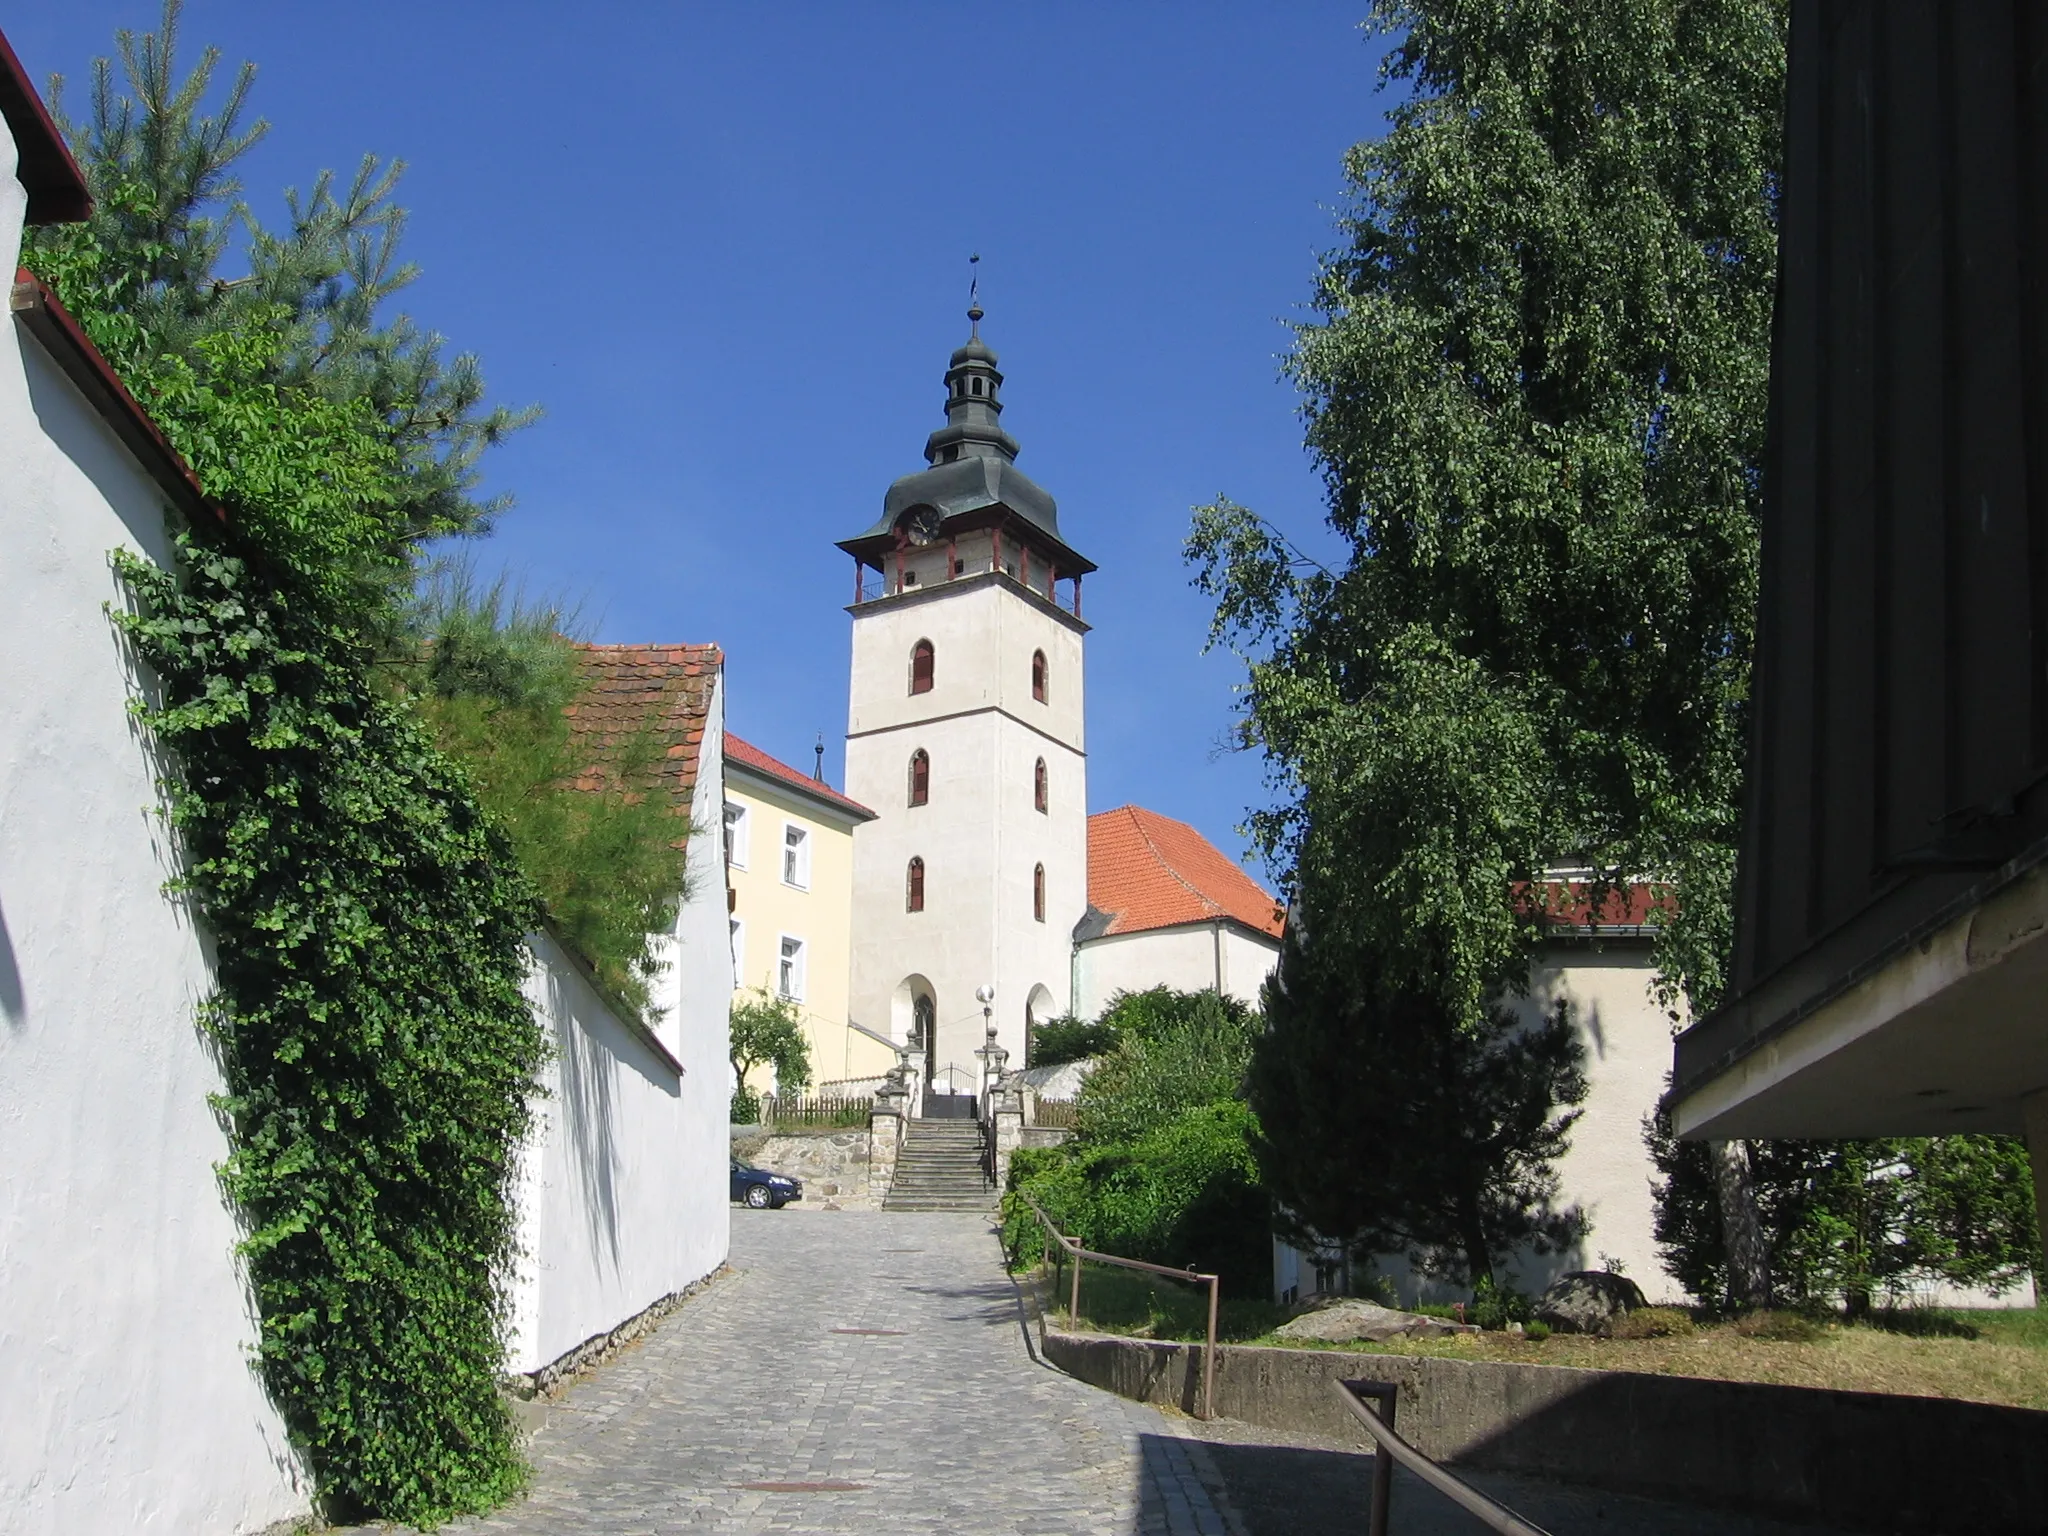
594	1351
1863	1461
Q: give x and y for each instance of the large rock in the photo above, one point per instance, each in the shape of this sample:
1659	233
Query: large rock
1344	1322
1586	1300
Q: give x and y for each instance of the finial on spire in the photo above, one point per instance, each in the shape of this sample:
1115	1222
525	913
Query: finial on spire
974	294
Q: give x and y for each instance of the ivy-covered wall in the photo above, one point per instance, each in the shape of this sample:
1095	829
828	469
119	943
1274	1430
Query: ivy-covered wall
367	920
124	1317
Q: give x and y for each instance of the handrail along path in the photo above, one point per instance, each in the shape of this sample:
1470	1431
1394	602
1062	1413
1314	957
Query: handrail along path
1391	1448
1072	1245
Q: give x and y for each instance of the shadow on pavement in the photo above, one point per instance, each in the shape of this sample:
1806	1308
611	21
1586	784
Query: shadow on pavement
1281	1490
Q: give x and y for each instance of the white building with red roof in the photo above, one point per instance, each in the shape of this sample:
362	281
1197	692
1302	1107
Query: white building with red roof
1167	908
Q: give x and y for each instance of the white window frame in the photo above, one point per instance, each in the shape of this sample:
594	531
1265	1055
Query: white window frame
800	880
738	931
738	822
790	967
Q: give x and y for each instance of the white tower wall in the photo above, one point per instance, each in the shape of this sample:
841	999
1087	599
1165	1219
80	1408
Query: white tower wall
980	834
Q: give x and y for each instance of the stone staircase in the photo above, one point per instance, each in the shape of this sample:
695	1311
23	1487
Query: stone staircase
940	1169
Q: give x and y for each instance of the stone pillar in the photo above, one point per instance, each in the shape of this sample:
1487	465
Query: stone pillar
895	1102
1007	1129
885	1140
2034	1109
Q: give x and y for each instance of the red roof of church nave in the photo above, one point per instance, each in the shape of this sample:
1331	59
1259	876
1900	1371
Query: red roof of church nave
1150	871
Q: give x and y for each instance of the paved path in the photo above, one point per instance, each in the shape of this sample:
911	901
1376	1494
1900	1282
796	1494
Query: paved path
886	1353
943	1422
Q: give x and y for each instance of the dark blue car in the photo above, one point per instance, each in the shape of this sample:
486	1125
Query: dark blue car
763	1190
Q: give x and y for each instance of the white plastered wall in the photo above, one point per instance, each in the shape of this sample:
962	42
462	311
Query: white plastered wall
1607	1171
1189	958
622	1188
980	835
125	1322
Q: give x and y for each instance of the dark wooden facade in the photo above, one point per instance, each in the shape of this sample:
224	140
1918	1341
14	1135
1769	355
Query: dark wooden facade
1899	749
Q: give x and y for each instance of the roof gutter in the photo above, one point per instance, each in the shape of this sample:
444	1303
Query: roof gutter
57	193
67	345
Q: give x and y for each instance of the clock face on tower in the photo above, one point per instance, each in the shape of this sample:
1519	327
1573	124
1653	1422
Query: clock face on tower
921	525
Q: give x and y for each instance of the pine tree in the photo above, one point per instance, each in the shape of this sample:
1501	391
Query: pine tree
171	211
1391	1130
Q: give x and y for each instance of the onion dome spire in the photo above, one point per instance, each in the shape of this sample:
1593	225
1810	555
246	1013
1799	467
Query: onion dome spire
973	397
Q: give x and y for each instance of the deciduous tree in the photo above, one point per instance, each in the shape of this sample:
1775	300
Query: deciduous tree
1535	384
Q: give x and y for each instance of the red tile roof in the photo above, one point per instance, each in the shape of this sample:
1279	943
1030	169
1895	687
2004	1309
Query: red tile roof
1568	904
1150	871
663	688
747	755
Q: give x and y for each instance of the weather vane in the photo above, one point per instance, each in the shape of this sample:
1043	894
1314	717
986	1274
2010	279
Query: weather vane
974	291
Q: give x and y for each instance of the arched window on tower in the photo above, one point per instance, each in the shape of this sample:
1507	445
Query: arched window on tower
1038	682
920	777
913	886
921	667
1038	893
1039	797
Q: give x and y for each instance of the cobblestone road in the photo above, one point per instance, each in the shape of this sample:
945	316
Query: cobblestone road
885	1356
884	1352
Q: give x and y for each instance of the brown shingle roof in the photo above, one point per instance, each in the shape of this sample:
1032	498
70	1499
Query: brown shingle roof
1150	871
665	688
747	755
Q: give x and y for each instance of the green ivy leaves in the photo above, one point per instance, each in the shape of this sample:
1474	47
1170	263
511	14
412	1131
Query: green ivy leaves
378	1056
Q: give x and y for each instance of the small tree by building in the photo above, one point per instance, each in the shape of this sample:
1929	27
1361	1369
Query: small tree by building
1387	1125
766	1031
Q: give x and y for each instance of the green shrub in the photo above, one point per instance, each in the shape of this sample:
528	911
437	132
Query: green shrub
1535	1332
1650	1323
1779	1327
1187	1195
603	841
367	918
1164	1063
1058	1041
1494	1306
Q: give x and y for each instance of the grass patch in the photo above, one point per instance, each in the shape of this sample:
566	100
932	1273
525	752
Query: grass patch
1142	1306
2024	1327
1975	1355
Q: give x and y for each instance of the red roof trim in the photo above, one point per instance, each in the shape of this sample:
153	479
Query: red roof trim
56	188
83	363
1566	905
745	754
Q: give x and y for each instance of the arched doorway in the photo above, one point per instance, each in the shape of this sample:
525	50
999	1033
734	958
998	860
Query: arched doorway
1039	1008
914	1022
925	1031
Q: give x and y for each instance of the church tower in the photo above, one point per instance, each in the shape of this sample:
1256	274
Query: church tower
964	735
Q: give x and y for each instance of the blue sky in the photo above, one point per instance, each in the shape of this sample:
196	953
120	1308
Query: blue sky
725	248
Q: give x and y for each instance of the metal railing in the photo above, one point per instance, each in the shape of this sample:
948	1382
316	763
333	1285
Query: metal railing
1072	1246
1392	1448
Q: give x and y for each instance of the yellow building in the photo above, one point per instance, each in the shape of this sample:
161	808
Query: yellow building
789	869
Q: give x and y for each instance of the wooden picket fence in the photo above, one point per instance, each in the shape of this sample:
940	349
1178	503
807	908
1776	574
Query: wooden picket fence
794	1110
1057	1114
